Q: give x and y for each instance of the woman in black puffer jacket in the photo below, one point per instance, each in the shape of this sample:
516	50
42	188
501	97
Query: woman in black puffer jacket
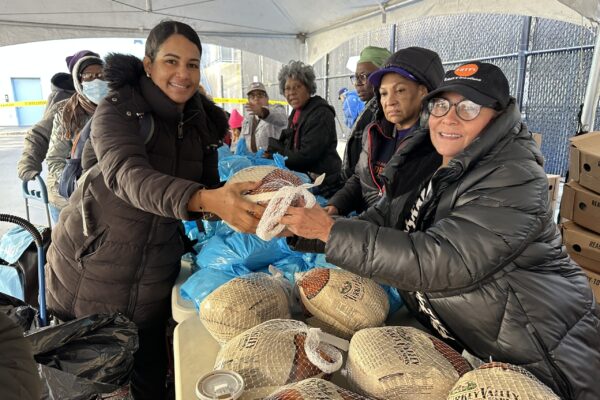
465	232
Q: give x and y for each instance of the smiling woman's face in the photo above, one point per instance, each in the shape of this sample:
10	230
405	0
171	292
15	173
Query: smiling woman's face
450	134
176	68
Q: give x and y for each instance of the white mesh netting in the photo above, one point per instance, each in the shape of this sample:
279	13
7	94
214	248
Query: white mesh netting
276	353
314	389
402	363
499	381
341	302
278	189
243	303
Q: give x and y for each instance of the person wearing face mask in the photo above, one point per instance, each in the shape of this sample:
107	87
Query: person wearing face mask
399	87
119	241
37	139
73	113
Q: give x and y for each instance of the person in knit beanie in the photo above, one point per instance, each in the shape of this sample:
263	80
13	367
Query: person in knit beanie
37	139
72	115
399	87
73	59
235	125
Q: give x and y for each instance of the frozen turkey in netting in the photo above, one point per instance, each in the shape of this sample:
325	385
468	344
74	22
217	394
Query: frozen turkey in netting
278	189
499	381
243	303
341	302
313	389
402	363
276	353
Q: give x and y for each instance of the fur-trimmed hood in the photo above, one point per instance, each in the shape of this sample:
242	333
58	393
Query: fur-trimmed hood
122	69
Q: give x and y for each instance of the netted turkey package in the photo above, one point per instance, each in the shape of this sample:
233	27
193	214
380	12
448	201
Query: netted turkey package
340	302
314	389
243	303
277	189
402	363
500	381
276	353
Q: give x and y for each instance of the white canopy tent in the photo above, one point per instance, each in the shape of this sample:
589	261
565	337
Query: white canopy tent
279	29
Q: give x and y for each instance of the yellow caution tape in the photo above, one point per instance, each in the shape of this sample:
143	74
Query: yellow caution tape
243	101
26	103
31	103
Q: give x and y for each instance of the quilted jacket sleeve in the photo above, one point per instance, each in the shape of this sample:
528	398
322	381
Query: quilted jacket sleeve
124	163
489	225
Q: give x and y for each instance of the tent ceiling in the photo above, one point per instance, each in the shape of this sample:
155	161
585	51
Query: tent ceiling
279	29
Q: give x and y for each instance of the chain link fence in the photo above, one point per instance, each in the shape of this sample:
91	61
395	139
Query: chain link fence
554	65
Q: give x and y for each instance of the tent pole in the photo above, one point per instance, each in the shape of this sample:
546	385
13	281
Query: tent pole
590	102
523	48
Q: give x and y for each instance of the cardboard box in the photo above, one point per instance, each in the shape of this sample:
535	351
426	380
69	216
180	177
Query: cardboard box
584	160
553	185
538	138
581	206
582	245
594	280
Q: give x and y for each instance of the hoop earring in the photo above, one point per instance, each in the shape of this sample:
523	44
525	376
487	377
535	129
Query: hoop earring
148	74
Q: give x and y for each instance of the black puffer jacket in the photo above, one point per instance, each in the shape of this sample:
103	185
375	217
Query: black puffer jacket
363	190
354	145
316	151
486	253
117	246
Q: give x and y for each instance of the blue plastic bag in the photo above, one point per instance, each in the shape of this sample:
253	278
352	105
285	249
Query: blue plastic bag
231	164
202	283
10	282
229	249
394	298
224	151
14	242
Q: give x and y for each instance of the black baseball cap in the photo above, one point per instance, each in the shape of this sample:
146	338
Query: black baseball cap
482	83
418	64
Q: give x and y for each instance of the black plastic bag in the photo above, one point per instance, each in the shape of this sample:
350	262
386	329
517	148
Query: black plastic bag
81	358
19	312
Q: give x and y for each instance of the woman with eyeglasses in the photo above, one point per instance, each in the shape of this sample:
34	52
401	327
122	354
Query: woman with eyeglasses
464	231
73	113
371	59
309	142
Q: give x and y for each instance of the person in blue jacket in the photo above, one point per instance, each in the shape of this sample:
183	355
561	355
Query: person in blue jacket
352	105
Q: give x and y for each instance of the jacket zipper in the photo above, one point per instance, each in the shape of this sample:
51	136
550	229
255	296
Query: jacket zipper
142	266
380	193
559	377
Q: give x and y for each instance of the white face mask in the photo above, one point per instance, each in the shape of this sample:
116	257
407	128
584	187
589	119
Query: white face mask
95	90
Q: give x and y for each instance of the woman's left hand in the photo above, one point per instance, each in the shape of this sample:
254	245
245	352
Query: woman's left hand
309	223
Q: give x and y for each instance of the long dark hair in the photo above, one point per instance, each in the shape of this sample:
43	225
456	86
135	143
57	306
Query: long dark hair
165	30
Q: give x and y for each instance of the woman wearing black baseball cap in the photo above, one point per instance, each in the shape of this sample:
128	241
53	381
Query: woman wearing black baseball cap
465	233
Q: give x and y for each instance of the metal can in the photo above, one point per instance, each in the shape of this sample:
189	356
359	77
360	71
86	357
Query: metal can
220	384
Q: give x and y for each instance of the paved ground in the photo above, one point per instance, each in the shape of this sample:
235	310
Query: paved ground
11	197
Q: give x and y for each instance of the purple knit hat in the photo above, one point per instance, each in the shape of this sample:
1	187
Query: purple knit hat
72	60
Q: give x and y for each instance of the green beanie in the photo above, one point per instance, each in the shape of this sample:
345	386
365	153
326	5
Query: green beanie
376	55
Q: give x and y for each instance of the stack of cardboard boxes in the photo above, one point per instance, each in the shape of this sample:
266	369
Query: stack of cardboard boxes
580	206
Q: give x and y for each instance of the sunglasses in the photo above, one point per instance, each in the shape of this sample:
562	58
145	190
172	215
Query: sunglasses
90	76
256	96
359	79
465	109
